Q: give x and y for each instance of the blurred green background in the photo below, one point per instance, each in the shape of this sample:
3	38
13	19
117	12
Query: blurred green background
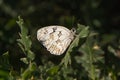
103	16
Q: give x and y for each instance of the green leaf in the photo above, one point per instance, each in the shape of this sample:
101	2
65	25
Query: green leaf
25	42
53	70
20	22
29	71
83	32
4	61
24	60
112	50
90	57
4	66
31	55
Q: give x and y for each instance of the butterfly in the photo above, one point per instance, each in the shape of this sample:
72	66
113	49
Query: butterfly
55	38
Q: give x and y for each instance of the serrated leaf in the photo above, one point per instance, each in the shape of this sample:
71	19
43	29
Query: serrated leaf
31	55
24	42
20	22
89	57
21	46
83	32
24	60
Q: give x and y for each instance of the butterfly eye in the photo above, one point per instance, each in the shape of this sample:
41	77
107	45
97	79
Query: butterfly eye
73	31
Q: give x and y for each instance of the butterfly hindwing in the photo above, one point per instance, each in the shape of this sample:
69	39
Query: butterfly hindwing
55	38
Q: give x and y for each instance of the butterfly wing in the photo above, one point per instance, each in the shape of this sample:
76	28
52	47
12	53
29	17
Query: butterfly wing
55	38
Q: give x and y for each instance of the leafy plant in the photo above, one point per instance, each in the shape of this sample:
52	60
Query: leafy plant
82	33
25	44
4	66
89	61
83	59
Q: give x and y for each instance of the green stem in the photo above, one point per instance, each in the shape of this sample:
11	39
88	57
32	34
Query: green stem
92	71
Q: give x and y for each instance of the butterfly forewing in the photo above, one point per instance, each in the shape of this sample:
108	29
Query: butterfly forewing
55	38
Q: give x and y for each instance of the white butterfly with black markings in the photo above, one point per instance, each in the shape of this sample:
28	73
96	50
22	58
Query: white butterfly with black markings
55	38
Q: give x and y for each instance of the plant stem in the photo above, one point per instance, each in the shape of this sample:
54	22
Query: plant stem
92	71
